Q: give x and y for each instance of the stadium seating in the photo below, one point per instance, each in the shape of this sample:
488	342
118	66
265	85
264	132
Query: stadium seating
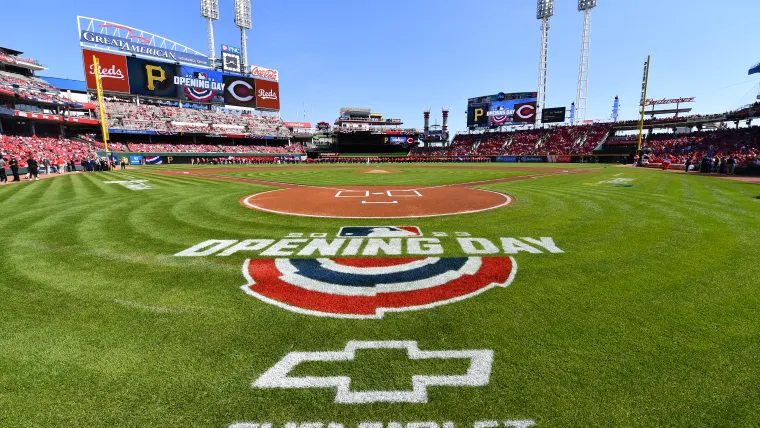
30	88
128	115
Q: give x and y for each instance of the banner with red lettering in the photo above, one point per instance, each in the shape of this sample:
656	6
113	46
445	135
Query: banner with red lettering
297	125
113	71
267	95
265	73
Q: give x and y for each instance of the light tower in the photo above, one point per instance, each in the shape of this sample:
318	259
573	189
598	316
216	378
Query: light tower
584	6
243	21
544	12
210	11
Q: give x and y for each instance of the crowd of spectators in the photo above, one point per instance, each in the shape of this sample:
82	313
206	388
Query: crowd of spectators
57	151
562	140
163	118
397	159
739	141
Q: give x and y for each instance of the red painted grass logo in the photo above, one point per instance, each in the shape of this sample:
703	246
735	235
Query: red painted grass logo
370	287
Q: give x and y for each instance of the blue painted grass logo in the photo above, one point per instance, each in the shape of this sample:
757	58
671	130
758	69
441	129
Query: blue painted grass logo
368	271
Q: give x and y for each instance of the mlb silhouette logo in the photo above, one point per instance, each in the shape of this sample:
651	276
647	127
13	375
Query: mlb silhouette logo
200	75
379	231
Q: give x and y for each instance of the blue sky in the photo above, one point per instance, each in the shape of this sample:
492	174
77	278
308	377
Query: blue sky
399	57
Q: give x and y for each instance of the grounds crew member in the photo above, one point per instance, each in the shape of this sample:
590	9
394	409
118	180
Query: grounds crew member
3	176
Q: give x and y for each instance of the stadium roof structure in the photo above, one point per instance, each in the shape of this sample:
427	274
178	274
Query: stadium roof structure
9	51
14	58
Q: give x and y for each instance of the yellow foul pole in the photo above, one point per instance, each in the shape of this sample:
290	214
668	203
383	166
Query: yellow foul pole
644	88
101	105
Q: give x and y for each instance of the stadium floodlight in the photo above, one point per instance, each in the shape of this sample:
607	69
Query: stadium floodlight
544	12
243	21
545	9
210	11
584	6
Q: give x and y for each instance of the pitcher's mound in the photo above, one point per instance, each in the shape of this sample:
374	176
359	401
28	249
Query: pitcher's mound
381	171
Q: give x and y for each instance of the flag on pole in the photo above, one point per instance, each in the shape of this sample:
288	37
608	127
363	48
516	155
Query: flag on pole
755	69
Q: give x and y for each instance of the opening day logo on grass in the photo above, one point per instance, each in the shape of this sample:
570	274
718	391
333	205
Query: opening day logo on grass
367	271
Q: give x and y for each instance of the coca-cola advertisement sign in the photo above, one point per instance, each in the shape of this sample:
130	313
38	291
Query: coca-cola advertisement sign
297	125
267	95
265	73
113	71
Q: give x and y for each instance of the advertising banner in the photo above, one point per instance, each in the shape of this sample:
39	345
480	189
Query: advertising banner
505	159
230	49
239	91
114	74
82	120
131	131
501	96
477	115
553	115
137	44
200	85
267	95
532	159
150	78
297	125
559	159
400	140
265	73
525	112
135	160
39	116
155	160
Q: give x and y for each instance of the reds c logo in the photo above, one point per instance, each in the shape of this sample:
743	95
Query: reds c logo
370	287
525	112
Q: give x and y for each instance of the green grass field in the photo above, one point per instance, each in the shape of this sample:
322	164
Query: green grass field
650	317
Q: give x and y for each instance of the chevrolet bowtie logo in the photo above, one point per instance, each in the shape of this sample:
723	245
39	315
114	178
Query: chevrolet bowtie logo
478	373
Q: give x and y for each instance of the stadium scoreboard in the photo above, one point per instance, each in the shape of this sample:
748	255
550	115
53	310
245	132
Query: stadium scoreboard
501	109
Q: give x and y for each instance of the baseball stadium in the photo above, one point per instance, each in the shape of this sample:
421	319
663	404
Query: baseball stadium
180	251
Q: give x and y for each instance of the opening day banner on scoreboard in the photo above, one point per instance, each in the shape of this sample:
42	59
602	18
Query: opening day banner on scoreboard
200	85
501	109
